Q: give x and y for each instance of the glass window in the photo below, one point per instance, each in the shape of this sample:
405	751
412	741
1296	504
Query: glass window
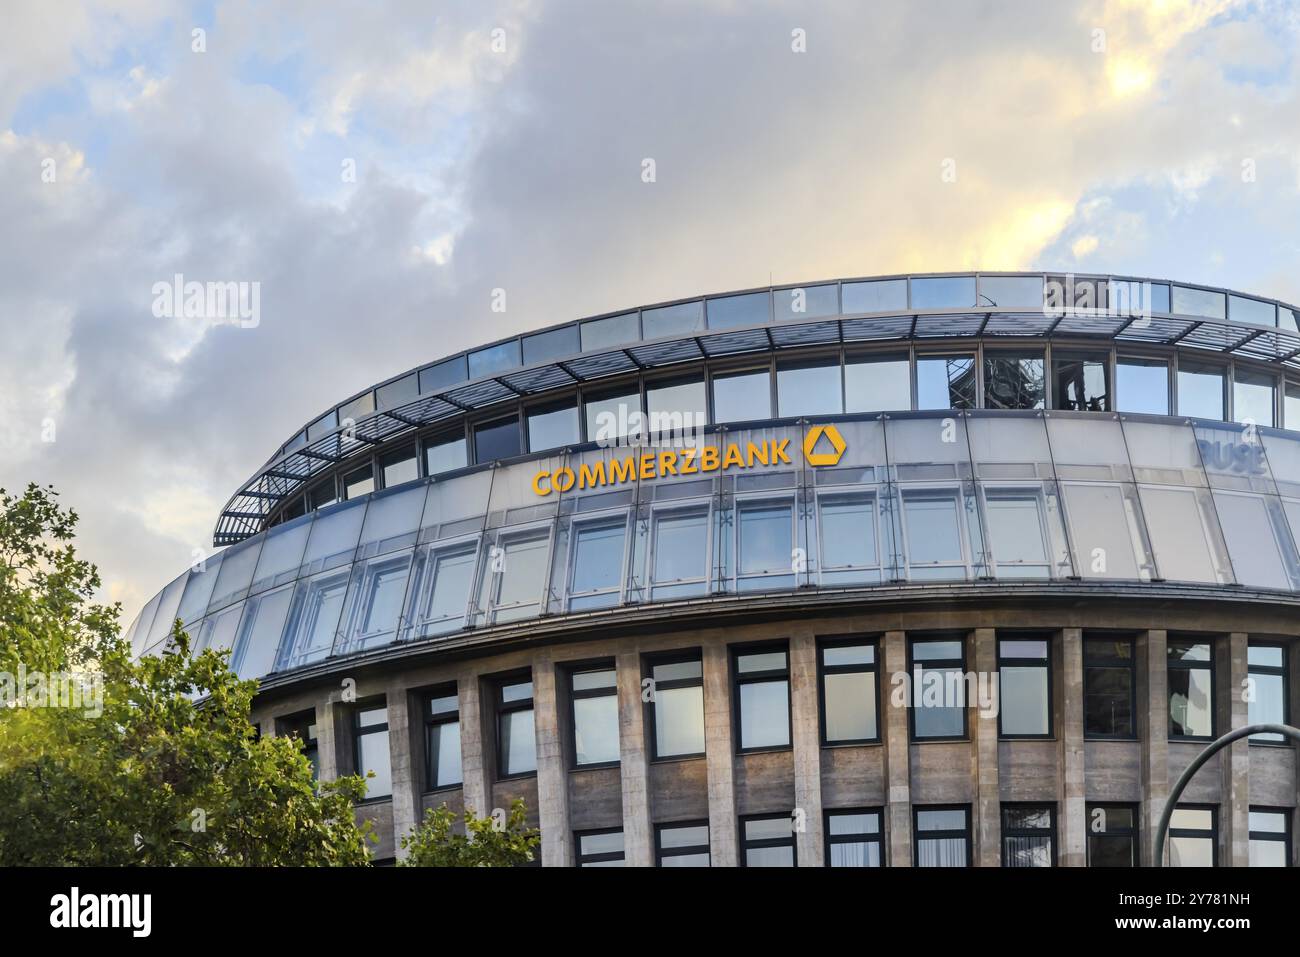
610	331
878	384
594	695
677	706
1081	383
303	728
765	544
682	319
1142	385
1193	837
443	375
234	576
677	408
260	630
600	848
1017	533
553	344
553	426
1291	407
442	585
849	684
1252	397
326	424
496	440
370	734
1270	837
881	295
1241	309
854	839
516	738
750	309
1024	677
933	528
742	396
937	669
374	602
597	569
942	836
1013	381
762	691
612	415
944	292
1267	704
1288	318
357	409
767	841
1028	835
442	768
445	454
1109	680
945	382
1100	518
1133	298
1253	539
399	466
522	575
1012	292
809	388
405	389
504	355
1199	302
682	845
359	482
806	302
681	553
1200	390
848	537
313	619
1191	688
1112	835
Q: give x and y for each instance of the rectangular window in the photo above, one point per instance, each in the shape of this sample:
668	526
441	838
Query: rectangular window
1266	666
932	520
399	466
1142	385
1017	532
680	564
1112	835
597	565
496	440
612	415
516	738
762	693
1291	407
1270	837
442	739
445	454
600	848
942	836
370	739
767	841
936	669
522	575
1081	383
1013	381
1024	688
593	692
809	388
1201	390
742	396
1191	689
765	544
854	839
945	382
850	685
682	845
677	705
303	728
677	408
1109	680
553	426
359	482
1193	837
1253	395
444	598
878	384
943	292
847	533
1028	835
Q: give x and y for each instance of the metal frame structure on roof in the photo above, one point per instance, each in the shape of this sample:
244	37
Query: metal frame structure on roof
310	454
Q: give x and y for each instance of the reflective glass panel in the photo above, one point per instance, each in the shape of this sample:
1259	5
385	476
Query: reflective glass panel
945	382
1142	385
809	389
742	396
878	384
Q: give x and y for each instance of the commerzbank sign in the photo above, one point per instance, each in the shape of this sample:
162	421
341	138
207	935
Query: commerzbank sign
648	466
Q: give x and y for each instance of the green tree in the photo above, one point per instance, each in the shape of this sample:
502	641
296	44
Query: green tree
484	843
161	768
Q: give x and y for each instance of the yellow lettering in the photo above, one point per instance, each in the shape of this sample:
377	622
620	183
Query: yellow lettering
708	459
622	471
688	460
560	484
753	452
591	477
537	483
779	453
733	457
667	463
647	466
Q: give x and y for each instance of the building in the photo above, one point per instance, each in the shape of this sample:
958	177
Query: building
1064	510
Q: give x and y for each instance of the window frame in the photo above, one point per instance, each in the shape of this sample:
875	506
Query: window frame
746	845
1050	832
358	732
745	582
868	496
571	671
668	511
1183	665
434	722
846	641
671	658
946	663
596	523
1000	490
965	834
299	725
502	708
1115	663
1133	833
1278	671
1045	665
762	677
1212	834
686	850
1283	837
862	837
582	860
954	492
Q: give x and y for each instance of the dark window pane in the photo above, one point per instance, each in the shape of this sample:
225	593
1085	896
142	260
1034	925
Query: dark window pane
496	440
1013	381
1081	383
945	382
1108	702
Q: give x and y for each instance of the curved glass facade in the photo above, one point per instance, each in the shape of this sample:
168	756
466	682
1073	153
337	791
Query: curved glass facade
914	497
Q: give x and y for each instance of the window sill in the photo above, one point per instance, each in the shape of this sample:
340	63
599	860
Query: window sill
445	788
374	801
864	743
598	766
775	749
678	758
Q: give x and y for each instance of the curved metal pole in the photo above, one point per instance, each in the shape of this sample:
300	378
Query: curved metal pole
1214	748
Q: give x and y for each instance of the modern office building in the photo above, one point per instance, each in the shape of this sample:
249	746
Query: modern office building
919	570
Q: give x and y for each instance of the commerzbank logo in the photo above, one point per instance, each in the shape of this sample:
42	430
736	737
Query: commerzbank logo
822	446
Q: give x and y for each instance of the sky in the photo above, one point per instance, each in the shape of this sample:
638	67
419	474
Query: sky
380	168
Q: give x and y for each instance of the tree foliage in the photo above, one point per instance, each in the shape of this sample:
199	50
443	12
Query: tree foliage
169	770
485	842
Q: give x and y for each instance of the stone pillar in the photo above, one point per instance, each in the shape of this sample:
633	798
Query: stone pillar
634	764
475	749
1073	824
719	756
402	761
1234	760
1153	732
552	776
984	732
806	725
898	778
328	715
